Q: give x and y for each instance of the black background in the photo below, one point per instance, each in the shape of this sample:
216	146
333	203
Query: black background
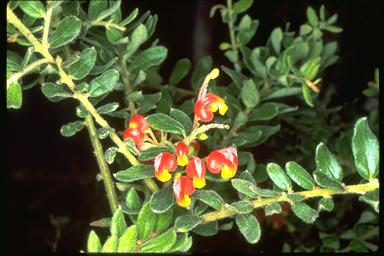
50	174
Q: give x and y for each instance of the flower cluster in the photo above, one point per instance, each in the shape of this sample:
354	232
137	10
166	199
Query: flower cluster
185	159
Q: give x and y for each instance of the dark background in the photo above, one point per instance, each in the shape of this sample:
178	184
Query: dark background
50	174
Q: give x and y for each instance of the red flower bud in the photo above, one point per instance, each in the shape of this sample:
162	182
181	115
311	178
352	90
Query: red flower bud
182	189
136	135
182	152
165	163
137	121
196	170
206	106
224	160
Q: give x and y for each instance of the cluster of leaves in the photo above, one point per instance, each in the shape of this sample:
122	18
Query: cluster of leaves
103	53
328	176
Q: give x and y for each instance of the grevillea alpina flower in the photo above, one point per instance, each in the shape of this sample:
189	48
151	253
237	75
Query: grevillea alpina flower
136	135
137	121
165	163
223	161
196	170
208	103
182	189
182	152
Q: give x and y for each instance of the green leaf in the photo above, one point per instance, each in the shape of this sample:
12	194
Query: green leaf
299	175
246	158
95	7
242	207
180	70
93	244
129	142
118	224
249	227
207	229
372	198
139	36
130	17
127	241
333	29
307	95
264	112
107	108
101	223
104	83
226	226
55	92
305	29
145	222
111	244
244	36
273	208
71	128
81	68
149	102
203	67
326	204
304	212
326	163
183	118
110	154
183	243
163	221
103	133
210	198
236	76
284	92
365	148
151	57
186	222
165	123
324	181
14	96
152	152
245	187
132	202
278	176
312	17
33	8
137	172
250	94
160	244
310	68
67	30
242	5
276	39
97	70
162	200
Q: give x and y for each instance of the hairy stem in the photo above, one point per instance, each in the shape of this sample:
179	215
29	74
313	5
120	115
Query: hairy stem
231	30
47	23
262	202
25	71
103	166
108	24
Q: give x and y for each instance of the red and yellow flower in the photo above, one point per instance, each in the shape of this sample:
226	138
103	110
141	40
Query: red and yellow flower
135	135
164	163
138	121
182	152
223	161
196	170
182	189
208	103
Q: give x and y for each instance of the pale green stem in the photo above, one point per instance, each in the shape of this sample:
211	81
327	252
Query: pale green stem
231	30
47	23
103	166
108	24
262	202
25	71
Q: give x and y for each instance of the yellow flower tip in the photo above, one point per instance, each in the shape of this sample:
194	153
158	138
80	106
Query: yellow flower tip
214	107
182	160
223	108
199	182
214	74
132	125
164	176
184	203
203	136
227	173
